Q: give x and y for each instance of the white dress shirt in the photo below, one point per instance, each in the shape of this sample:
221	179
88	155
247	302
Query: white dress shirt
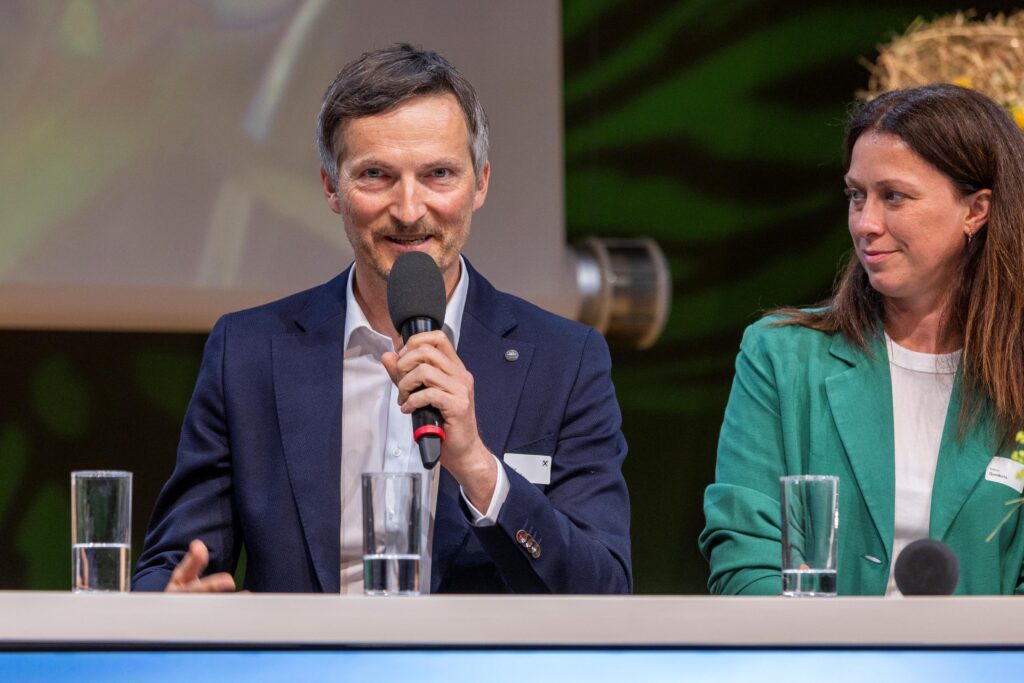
922	384
376	436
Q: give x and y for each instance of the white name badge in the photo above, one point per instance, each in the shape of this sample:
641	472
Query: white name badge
1005	471
536	469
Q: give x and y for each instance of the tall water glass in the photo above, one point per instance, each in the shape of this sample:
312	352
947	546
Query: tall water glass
101	530
810	524
391	533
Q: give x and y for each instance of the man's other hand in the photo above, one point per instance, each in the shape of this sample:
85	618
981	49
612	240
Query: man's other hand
186	576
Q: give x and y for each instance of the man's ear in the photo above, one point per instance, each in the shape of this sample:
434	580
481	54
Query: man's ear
330	191
481	186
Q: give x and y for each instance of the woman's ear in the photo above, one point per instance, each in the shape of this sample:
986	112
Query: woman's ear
978	205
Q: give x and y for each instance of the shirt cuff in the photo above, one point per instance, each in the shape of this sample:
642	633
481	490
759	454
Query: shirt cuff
501	487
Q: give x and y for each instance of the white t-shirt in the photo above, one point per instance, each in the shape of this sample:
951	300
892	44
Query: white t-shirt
922	384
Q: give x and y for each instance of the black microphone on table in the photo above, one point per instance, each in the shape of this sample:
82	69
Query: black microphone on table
416	302
927	567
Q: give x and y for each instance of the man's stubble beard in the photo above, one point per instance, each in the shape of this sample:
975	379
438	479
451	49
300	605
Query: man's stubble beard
365	244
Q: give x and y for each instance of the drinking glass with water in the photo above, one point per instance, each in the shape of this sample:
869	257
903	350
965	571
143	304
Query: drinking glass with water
101	530
810	523
391	533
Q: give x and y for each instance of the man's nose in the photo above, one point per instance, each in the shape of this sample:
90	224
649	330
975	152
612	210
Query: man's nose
407	205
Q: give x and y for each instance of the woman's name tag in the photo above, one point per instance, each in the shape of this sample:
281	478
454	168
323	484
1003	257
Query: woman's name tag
1007	472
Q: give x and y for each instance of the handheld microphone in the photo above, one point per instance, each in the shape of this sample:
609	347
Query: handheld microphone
416	302
927	567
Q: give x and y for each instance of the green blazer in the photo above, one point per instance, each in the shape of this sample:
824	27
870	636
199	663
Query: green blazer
805	402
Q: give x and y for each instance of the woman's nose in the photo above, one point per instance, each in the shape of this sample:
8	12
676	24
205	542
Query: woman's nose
866	219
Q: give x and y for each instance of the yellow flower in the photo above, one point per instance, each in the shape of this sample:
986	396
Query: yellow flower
963	82
1020	437
1018	116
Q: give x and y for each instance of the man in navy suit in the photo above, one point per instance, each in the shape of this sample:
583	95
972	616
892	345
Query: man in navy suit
296	398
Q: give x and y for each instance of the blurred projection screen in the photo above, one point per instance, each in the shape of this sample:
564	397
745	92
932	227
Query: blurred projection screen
158	164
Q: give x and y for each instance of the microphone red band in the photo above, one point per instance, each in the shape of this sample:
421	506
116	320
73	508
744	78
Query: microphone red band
428	430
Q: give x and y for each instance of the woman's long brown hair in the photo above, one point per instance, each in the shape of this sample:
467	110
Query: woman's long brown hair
977	145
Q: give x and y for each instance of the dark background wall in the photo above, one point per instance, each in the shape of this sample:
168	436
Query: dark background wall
714	127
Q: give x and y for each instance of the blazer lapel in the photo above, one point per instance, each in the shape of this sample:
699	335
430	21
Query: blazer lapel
961	464
307	388
860	399
484	339
498	362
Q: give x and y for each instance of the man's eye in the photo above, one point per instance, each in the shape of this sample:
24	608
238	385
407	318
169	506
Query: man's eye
373	173
440	173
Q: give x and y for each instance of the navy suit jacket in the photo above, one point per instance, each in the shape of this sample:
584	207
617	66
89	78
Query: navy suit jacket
259	461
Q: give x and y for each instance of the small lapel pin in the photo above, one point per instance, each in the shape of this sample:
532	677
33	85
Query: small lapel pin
511	355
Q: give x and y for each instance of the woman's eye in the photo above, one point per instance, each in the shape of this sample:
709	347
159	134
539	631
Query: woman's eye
853	194
893	196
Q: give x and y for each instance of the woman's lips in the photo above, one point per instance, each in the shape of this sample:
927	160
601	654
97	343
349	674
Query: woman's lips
873	256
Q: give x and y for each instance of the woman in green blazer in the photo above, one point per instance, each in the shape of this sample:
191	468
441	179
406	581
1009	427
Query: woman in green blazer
936	215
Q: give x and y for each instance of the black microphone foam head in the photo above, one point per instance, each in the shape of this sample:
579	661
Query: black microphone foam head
415	289
927	567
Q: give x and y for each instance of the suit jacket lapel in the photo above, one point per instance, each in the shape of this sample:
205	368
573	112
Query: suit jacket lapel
307	388
860	399
484	339
961	464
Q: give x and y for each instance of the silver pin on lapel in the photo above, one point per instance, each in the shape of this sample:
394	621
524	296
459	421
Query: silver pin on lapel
511	355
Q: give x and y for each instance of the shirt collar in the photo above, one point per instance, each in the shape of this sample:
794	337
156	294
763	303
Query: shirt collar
355	318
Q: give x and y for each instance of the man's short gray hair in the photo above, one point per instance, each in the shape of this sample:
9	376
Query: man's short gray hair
381	80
